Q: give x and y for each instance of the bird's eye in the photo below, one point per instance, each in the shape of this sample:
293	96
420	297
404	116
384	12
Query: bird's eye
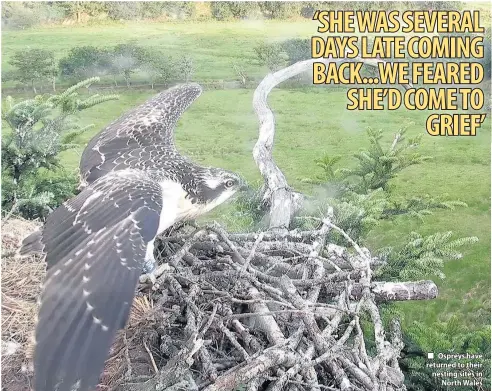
229	183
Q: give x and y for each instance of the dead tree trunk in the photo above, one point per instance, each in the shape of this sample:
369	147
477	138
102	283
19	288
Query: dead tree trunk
281	199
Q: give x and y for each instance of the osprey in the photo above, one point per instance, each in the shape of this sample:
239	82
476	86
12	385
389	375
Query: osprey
135	186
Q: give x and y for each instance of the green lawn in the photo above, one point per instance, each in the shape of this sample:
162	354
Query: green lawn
221	129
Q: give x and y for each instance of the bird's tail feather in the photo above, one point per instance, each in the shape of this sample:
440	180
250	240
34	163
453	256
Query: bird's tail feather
32	244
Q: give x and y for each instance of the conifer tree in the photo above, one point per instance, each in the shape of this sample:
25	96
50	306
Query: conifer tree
38	130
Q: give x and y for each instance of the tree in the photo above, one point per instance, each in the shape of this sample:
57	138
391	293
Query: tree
186	68
32	65
241	73
452	335
268	299
419	257
281	9
125	10
153	9
127	58
221	10
157	66
244	9
37	131
86	61
75	9
376	166
54	71
486	61
179	9
25	14
361	197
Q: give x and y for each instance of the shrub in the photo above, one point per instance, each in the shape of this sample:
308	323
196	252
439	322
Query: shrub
297	49
270	55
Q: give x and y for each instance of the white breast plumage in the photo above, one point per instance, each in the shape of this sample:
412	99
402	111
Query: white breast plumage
172	193
188	210
176	206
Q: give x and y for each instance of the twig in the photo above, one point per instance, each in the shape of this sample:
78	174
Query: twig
156	370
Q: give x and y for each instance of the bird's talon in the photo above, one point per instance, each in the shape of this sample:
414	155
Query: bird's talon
151	278
148	277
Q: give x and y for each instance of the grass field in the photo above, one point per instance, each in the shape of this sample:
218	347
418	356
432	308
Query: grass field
214	47
221	128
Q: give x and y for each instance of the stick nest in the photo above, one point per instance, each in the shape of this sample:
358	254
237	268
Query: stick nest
273	310
270	311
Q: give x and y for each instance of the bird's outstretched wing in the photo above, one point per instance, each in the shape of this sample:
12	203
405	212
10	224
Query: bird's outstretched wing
95	245
136	139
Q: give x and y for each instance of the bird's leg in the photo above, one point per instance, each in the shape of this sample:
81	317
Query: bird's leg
150	269
149	266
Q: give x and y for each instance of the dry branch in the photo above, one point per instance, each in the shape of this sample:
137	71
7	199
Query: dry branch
390	291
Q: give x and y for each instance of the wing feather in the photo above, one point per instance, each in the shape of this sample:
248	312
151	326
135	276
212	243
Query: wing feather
109	200
133	139
92	275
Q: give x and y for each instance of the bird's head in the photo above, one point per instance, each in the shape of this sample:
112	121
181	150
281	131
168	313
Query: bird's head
219	185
